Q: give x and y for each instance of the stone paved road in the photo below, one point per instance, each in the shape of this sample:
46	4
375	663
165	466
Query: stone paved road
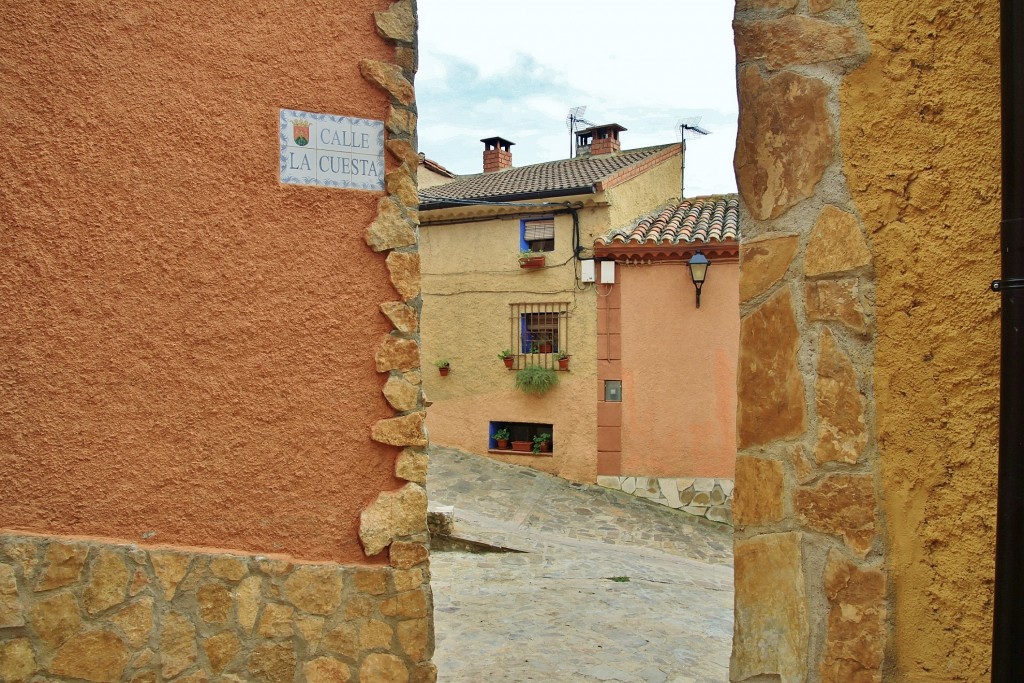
609	588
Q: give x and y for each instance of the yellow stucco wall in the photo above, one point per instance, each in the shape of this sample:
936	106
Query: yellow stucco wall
920	139
633	198
427	178
470	275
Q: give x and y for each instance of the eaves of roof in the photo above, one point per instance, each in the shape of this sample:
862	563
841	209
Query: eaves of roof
517	197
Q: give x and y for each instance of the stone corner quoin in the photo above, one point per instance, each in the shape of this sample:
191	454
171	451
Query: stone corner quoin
805	492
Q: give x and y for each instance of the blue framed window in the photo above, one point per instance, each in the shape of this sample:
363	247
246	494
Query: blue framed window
522	432
539	332
537	234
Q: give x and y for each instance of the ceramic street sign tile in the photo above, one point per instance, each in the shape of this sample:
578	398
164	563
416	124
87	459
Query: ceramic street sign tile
331	151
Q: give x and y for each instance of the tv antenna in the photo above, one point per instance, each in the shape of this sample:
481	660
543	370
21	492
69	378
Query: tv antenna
572	122
687	125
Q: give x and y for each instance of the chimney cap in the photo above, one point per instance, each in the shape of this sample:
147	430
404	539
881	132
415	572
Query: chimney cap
496	142
607	126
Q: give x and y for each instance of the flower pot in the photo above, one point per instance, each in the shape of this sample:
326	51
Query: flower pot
546	348
509	362
443	371
544	447
524	446
531	262
502	444
563	363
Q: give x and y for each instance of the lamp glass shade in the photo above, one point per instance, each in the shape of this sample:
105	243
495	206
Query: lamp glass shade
699	268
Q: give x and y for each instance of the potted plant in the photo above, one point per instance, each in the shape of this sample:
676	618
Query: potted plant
536	380
531	259
545	347
563	360
542	443
443	366
507	358
501	439
522	446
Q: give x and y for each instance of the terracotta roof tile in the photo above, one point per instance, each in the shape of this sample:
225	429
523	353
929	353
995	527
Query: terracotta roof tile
578	175
696	220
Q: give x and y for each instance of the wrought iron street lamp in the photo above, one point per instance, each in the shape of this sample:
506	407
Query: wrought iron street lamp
698	272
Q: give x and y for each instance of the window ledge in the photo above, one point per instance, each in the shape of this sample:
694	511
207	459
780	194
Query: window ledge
524	453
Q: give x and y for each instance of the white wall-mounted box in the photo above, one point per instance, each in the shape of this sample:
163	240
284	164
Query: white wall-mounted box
587	270
607	272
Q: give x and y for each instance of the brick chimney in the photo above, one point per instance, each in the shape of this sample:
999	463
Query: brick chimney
599	140
497	154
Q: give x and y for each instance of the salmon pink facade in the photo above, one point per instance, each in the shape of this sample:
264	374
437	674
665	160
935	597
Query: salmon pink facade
666	367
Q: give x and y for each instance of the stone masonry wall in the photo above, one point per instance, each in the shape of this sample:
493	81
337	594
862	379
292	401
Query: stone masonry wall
700	497
810	580
73	609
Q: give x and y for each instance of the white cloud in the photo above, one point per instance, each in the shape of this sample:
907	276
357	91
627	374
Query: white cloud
515	68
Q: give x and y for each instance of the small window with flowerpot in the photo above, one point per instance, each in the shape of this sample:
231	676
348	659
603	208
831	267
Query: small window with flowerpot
521	438
536	236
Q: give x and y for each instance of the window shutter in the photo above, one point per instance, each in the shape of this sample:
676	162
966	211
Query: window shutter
539	230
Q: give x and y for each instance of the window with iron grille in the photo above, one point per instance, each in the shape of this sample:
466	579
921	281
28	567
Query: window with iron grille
538	332
538	234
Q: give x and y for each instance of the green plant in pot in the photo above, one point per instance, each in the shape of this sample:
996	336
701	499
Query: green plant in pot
501	438
563	360
443	366
542	443
536	380
507	358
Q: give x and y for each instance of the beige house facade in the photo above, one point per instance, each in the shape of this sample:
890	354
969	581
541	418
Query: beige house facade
478	301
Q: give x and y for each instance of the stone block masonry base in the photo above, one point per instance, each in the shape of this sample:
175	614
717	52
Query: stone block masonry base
701	497
98	611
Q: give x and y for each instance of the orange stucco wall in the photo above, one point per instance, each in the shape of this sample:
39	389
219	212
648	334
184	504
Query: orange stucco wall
920	139
185	344
679	371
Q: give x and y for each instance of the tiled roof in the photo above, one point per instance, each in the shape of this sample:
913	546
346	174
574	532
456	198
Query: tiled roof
696	220
567	176
435	167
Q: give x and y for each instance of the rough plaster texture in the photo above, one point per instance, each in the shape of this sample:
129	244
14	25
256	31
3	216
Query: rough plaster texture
679	371
185	351
920	138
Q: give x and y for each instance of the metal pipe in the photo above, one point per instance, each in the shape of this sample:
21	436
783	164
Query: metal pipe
1008	613
682	165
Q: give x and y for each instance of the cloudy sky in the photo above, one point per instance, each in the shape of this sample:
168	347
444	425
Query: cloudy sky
514	68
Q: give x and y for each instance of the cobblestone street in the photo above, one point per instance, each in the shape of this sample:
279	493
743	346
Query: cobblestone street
606	587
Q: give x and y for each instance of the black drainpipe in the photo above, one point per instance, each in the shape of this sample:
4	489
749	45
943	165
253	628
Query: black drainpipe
1008	619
